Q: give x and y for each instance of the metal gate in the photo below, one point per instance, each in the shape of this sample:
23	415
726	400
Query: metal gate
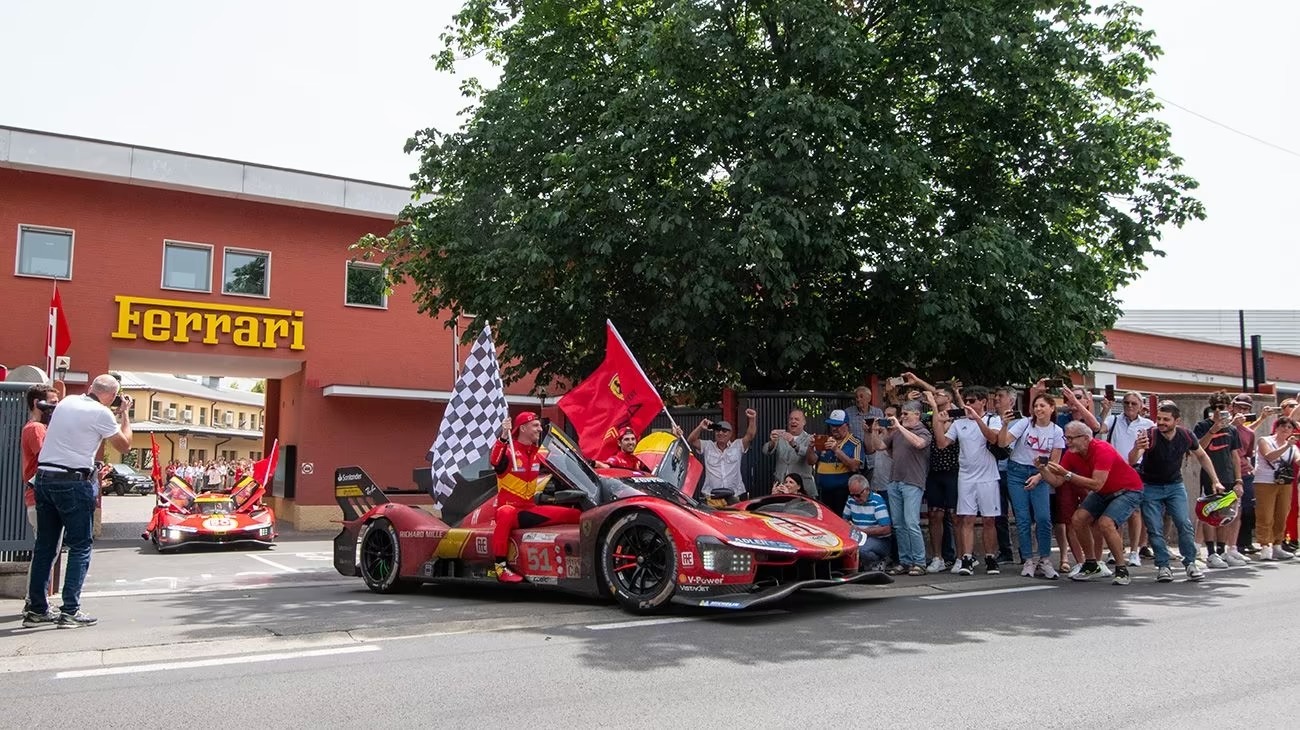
15	538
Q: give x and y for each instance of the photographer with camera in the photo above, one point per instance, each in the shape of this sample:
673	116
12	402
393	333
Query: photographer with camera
66	490
790	446
907	441
941	479
722	456
836	457
1038	441
1274	473
41	400
1219	437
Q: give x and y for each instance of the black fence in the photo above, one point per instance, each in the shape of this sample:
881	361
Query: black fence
15	538
773	409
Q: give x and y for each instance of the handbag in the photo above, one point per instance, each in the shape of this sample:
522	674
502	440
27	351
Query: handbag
1284	471
1001	453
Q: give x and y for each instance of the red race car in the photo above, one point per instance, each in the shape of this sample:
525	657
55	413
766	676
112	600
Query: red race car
642	537
181	517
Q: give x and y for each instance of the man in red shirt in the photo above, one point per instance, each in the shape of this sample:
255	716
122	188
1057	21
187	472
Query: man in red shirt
1114	492
518	462
33	438
624	459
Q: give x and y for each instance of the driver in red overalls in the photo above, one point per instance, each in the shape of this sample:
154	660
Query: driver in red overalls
625	458
517	486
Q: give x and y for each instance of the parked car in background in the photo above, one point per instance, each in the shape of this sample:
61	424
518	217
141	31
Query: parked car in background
126	479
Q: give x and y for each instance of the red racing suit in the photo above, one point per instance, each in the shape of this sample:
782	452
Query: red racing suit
627	461
517	485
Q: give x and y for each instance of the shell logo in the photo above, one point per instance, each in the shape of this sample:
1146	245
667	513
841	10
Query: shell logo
219	524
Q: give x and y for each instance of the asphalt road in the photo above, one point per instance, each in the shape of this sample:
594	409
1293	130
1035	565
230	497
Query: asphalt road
304	650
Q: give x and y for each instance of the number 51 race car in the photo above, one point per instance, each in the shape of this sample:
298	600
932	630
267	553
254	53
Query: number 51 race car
642	538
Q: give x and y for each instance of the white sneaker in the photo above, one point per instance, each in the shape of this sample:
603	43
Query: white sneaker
1194	573
1233	558
1216	561
1031	565
1074	570
956	567
1134	560
1281	553
1047	570
1105	572
936	566
1266	553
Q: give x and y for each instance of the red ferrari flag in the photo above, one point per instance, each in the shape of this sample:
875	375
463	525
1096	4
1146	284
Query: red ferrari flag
157	465
617	395
263	468
57	337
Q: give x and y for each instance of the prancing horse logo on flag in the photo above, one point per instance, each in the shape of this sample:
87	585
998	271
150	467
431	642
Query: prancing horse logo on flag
616	387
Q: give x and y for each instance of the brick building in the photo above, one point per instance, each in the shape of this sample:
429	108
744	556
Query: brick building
176	263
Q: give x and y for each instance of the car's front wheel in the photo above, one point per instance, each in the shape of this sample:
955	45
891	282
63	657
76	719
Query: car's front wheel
639	563
381	558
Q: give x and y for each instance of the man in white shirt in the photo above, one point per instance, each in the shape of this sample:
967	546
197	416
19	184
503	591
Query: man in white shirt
722	456
1121	431
65	495
977	479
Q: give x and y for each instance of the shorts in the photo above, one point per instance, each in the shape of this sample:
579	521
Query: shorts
979	498
941	490
1118	506
1066	501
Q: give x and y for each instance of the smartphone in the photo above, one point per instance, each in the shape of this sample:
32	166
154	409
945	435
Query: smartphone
1017	415
1252	416
895	382
886	423
1225	415
1110	393
1043	460
819	441
1053	383
956	413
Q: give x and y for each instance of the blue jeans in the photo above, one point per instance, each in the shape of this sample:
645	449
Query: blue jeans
874	550
1159	500
64	507
905	513
1033	508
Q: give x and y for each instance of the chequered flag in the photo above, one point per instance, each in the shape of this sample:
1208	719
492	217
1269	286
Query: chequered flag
472	419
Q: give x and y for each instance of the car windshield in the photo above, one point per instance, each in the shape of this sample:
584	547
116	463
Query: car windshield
654	487
214	507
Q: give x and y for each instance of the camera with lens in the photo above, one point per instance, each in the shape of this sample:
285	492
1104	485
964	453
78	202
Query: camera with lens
885	422
46	406
117	402
715	427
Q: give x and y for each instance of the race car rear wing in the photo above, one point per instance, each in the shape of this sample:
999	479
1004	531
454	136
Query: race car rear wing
355	492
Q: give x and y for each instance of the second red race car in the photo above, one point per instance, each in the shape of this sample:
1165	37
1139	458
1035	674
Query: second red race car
181	517
642	538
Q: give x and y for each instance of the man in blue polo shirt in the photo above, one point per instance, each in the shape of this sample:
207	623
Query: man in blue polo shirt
867	511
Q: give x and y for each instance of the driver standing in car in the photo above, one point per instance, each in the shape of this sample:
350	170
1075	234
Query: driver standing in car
517	462
625	458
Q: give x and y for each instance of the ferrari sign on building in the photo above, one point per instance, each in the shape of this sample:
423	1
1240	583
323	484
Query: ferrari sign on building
165	320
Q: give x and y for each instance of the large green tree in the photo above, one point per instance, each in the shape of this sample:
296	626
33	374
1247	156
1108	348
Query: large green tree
790	193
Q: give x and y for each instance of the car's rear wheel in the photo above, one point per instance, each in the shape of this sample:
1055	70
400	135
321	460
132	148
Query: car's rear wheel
119	488
639	563
381	558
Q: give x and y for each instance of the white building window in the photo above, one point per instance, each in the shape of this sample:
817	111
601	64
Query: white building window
187	266
45	252
365	286
246	273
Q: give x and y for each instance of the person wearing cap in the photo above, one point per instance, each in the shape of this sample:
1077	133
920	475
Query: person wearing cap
839	458
1242	405
1219	437
625	458
722	456
517	457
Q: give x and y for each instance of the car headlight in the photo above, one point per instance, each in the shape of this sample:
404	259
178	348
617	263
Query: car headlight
173	534
721	559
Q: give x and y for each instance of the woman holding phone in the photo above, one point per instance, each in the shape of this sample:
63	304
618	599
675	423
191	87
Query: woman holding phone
1037	439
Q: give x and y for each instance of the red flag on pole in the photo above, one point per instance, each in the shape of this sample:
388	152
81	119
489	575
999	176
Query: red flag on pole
617	395
57	338
157	473
263	468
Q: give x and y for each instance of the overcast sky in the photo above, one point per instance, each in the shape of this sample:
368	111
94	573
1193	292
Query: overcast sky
337	87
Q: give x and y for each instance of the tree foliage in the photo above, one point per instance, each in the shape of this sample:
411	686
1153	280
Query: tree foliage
791	193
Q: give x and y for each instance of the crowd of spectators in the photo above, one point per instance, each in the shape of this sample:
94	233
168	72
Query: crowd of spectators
219	475
1093	487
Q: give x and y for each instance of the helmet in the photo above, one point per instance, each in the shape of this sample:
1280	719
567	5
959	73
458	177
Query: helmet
1218	509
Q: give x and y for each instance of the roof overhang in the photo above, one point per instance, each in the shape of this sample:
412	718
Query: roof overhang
437	396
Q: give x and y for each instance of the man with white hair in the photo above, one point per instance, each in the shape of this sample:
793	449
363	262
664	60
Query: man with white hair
66	494
1114	492
1121	431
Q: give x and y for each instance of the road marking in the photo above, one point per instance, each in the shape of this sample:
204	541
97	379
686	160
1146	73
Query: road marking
219	588
273	564
221	661
969	594
674	620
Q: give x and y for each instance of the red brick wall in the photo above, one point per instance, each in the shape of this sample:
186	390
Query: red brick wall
118	250
1136	348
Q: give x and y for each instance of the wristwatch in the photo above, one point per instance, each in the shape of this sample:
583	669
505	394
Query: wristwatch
1069	475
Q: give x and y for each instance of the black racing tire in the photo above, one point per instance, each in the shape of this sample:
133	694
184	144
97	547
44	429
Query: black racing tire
381	558
638	562
119	489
